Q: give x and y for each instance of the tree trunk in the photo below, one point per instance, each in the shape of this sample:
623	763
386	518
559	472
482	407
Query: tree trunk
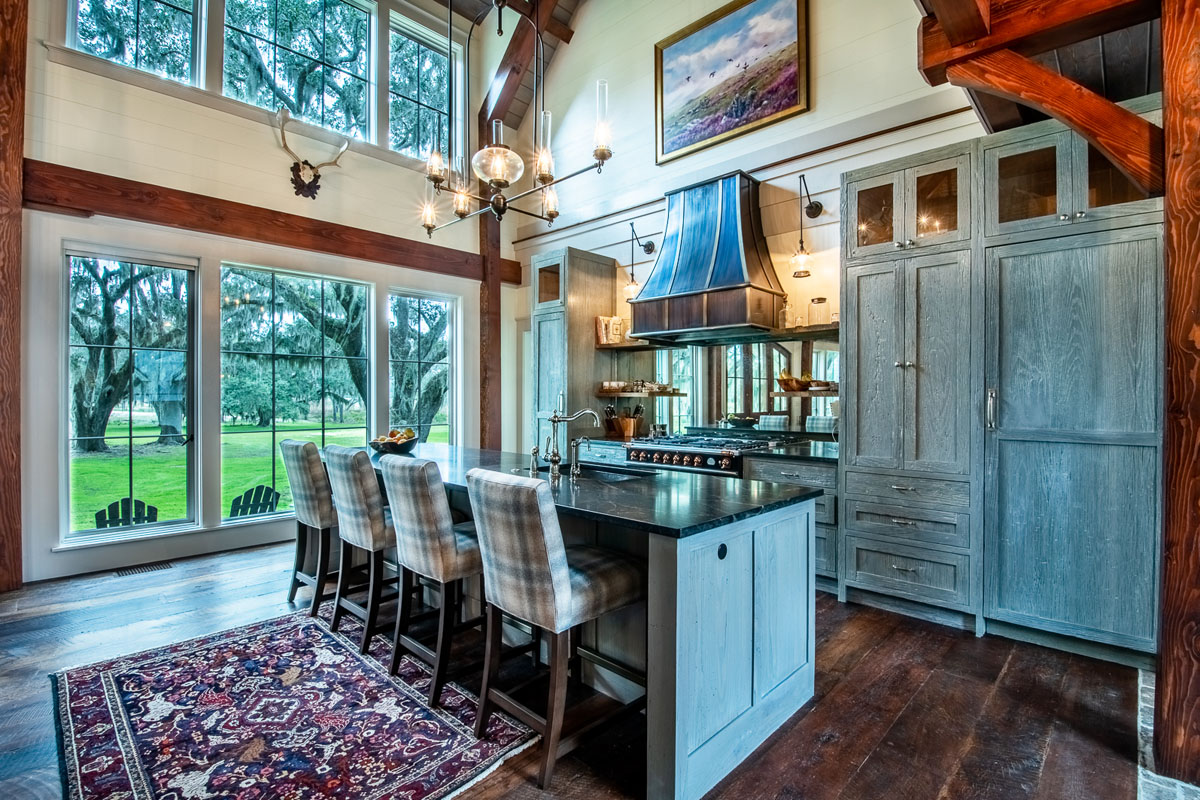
170	421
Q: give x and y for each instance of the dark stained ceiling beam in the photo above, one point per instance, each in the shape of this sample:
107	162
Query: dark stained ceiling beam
553	27
1028	27
517	59
1134	145
963	20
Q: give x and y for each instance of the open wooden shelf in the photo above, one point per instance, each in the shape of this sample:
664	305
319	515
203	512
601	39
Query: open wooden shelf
641	394
817	393
633	346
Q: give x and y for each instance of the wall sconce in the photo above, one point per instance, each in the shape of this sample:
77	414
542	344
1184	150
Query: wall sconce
802	260
633	287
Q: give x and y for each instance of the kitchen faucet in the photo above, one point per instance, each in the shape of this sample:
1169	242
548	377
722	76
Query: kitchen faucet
552	454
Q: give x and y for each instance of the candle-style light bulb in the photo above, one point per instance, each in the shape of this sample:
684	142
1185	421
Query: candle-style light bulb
462	202
550	203
435	168
602	140
544	167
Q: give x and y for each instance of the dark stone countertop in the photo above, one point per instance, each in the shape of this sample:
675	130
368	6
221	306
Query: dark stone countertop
824	452
667	503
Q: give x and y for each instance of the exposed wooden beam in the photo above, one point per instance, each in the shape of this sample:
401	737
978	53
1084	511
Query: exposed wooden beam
1028	27
963	20
1134	145
996	113
1177	704
14	41
517	59
553	27
80	192
490	420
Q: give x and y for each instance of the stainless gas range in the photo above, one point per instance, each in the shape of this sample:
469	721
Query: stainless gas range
713	455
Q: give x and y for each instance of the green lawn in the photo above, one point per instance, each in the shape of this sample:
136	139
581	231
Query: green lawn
248	456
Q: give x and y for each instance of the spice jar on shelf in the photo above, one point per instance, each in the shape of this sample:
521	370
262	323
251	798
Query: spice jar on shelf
818	311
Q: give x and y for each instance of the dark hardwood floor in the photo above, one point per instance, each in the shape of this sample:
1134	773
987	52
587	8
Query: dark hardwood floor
904	709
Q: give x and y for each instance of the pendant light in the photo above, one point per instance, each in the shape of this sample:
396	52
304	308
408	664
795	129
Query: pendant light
802	259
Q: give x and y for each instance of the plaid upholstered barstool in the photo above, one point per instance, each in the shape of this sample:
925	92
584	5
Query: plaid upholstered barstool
430	545
532	575
363	524
315	516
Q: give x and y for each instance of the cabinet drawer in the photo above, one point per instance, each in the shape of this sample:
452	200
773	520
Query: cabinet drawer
826	558
904	488
803	473
826	508
602	454
910	524
914	572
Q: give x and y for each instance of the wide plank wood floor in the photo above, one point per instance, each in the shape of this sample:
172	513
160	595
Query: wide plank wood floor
904	709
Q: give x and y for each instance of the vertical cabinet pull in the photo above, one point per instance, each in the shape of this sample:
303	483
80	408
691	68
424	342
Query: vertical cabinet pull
991	409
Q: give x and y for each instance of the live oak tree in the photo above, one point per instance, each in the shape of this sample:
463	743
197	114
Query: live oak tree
419	349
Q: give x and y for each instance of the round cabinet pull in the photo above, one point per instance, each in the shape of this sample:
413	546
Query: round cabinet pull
1063	217
899	364
899	488
1080	214
722	551
899	245
909	364
909	243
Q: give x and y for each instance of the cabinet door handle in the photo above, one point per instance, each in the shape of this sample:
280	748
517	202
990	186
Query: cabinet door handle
991	409
909	365
790	475
909	243
899	363
1063	217
896	521
899	568
899	488
1080	214
899	245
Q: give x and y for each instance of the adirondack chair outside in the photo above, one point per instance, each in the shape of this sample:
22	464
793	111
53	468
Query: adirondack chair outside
261	499
117	514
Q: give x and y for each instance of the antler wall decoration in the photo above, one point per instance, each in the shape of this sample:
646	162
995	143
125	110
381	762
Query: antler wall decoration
306	177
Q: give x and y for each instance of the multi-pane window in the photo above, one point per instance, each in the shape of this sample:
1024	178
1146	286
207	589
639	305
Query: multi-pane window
129	394
826	366
151	35
419	116
294	365
311	56
749	376
420	346
674	367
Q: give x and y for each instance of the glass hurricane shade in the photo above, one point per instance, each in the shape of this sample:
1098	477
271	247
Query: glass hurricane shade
801	260
549	202
602	138
632	288
462	202
435	167
496	164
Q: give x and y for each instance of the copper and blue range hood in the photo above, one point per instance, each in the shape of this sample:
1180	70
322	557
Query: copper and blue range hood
713	282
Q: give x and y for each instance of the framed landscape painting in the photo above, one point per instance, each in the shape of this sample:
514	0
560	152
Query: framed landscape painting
738	69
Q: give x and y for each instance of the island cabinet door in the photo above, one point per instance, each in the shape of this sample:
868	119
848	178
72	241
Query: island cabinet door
782	596
873	371
937	363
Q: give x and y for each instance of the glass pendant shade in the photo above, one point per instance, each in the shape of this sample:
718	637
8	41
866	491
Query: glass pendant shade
631	289
435	167
544	167
602	139
550	203
801	260
462	202
496	164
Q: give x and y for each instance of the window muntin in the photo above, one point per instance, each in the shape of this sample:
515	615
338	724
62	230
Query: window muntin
311	56
749	376
418	114
129	389
294	364
421	334
151	35
674	367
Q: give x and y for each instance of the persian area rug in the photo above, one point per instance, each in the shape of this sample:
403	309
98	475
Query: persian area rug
282	709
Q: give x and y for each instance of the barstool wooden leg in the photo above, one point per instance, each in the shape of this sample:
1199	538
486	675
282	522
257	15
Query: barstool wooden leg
345	564
574	662
374	598
403	617
535	652
491	668
301	554
556	704
323	545
446	620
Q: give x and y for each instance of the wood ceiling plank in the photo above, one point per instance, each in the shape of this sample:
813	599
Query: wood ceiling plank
1028	27
1132	144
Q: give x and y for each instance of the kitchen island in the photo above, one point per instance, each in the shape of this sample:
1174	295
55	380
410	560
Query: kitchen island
728	637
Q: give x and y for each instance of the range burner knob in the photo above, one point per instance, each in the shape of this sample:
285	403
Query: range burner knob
725	463
656	458
676	459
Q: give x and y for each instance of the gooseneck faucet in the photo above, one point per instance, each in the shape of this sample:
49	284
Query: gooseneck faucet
552	454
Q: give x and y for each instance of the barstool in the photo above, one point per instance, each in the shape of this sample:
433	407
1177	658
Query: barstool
315	514
362	525
530	574
430	545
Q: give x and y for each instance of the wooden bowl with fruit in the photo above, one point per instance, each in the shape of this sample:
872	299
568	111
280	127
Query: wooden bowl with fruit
396	442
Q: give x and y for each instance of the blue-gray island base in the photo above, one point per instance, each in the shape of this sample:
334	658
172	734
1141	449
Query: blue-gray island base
729	642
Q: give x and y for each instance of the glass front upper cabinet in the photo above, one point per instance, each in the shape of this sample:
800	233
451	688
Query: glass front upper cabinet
916	207
1028	184
548	283
1104	190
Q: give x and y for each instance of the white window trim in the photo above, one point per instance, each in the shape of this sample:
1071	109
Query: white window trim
208	63
456	358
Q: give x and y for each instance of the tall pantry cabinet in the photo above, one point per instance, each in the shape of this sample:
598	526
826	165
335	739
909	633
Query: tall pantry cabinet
1002	386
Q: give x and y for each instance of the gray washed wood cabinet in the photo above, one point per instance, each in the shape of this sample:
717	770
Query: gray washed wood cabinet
1016	477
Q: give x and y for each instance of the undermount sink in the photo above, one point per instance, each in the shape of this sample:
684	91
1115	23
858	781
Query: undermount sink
606	474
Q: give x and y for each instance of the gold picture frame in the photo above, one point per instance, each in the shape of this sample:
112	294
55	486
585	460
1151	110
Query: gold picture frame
800	104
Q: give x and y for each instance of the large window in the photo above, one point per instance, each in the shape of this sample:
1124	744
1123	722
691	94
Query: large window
294	364
321	59
129	393
152	35
420	345
750	371
311	56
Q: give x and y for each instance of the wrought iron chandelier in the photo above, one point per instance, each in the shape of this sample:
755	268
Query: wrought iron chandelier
497	165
